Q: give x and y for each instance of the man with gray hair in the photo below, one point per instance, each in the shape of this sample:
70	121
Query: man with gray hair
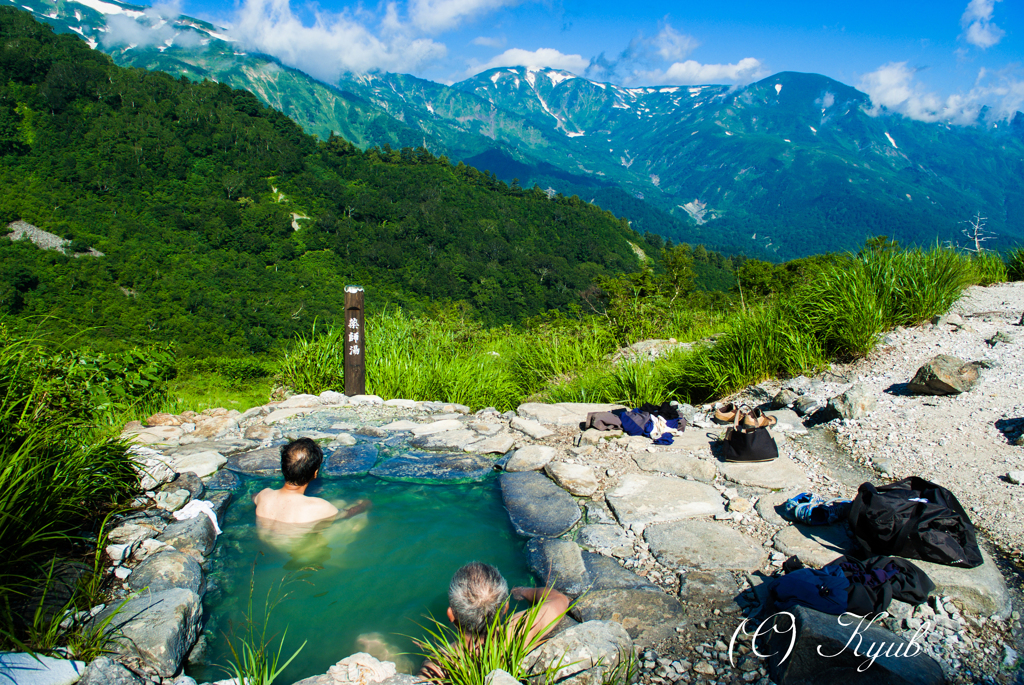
478	592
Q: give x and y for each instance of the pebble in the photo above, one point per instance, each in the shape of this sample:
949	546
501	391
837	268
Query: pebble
1015	477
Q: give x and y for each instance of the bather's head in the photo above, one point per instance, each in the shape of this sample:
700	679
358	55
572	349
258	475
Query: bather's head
476	594
300	461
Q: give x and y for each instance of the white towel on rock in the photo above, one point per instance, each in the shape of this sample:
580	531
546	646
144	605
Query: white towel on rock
195	508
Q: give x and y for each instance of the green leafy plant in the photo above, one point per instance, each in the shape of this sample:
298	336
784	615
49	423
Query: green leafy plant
254	661
467	659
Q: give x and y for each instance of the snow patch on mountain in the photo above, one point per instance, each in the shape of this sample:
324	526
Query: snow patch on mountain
108	8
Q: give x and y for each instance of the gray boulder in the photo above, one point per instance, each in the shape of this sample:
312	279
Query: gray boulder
351	460
106	671
606	574
158	627
266	461
944	375
225	479
805	405
824	652
582	655
709	590
578	479
981	591
530	458
536	506
166	570
853	404
500	677
784	398
195	537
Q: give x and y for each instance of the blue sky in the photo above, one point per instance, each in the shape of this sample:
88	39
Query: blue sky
938	60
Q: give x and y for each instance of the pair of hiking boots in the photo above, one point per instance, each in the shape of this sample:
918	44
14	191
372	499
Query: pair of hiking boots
743	416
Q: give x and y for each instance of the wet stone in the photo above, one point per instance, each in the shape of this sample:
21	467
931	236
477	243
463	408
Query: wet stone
266	461
435	468
225	479
559	560
351	461
166	570
195	536
536	506
447	440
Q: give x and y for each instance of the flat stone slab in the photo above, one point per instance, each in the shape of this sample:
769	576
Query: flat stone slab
531	428
648	617
403	425
606	574
769	504
437	427
577	479
782	473
678	464
693	440
407	404
814	545
703	545
498	444
708	589
530	458
560	561
355	460
604	536
455	440
158	627
226	446
279	415
445	467
642	499
27	669
980	590
787	421
264	461
563	413
201	463
536	506
823	652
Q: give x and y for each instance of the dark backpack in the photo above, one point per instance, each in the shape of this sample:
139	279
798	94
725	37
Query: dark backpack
876	581
914	518
822	589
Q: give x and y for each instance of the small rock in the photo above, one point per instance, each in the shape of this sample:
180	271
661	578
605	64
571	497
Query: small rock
530	458
806	405
1000	337
944	375
1015	477
853	404
577	479
530	428
784	398
704	668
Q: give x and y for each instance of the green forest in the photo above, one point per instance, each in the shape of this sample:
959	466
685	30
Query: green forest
224	228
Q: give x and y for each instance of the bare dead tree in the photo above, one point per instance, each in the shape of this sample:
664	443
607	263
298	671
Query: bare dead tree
976	233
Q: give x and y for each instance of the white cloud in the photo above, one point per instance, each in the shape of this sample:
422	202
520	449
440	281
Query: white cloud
672	45
691	72
335	43
977	24
893	88
149	29
441	15
543	57
488	42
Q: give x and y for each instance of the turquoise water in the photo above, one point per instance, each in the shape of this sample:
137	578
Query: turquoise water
361	584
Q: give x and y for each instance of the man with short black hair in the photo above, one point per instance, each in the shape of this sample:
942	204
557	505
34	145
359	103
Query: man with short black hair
300	464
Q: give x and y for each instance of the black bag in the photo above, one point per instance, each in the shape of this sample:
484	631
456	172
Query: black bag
749	445
876	581
914	518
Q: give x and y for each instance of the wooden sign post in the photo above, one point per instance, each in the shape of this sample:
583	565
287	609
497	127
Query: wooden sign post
355	342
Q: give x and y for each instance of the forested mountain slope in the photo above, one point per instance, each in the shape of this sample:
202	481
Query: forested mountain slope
223	224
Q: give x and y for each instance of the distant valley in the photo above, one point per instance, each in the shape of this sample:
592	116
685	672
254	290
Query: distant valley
788	166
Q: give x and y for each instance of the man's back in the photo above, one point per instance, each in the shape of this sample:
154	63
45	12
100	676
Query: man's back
292	507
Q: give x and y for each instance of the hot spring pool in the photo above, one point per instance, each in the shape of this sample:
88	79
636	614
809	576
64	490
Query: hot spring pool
361	584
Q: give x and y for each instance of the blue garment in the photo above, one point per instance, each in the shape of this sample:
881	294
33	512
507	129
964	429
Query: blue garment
825	589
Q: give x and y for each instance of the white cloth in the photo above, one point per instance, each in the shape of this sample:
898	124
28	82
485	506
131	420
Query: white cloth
195	508
660	427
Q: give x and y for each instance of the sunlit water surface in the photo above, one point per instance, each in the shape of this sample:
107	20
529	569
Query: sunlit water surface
361	584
